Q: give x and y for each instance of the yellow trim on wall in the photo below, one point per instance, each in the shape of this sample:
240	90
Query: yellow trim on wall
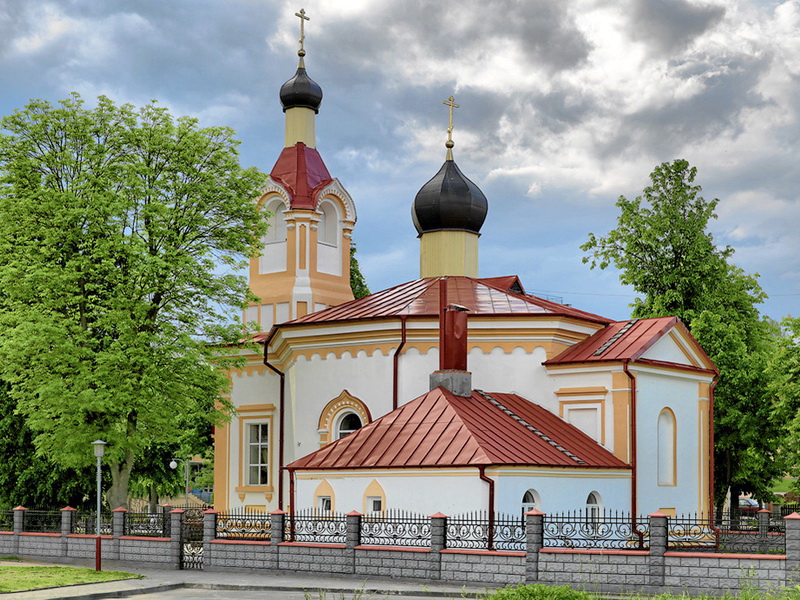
222	482
325	489
255	408
674	483
375	490
564	404
621	401
704	437
582	391
670	512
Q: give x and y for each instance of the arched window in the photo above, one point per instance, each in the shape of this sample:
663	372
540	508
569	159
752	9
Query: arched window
666	448
593	509
277	223
346	424
531	501
328	228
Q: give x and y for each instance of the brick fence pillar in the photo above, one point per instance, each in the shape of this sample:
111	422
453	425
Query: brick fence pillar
175	521
659	531
534	542
353	520
118	516
19	519
438	532
209	534
67	520
277	526
792	522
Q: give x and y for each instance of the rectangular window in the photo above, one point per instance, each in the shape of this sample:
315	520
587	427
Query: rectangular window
258	454
324	504
374	504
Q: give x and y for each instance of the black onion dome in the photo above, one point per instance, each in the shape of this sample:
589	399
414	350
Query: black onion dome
449	201
301	91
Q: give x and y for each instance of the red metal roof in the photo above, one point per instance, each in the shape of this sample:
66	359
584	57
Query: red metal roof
440	429
421	298
302	172
624	341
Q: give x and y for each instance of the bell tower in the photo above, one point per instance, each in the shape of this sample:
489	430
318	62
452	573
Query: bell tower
305	261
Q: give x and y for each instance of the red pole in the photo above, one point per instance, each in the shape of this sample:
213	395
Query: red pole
97	553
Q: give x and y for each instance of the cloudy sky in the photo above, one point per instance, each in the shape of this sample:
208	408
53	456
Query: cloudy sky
565	105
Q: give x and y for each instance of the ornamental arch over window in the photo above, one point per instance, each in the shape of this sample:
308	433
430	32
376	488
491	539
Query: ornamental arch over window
341	416
667	448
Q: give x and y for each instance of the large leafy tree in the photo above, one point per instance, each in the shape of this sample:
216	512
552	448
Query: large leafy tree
784	382
663	249
120	229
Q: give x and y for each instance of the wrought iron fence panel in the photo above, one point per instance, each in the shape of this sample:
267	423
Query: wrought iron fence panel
85	523
470	531
316	527
509	533
581	529
6	520
396	528
147	524
731	535
42	521
244	526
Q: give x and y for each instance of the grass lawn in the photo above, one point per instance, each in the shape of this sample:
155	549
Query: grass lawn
21	578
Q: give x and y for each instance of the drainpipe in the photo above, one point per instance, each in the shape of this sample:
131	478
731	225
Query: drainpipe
711	505
632	378
442	305
291	502
281	408
490	532
396	359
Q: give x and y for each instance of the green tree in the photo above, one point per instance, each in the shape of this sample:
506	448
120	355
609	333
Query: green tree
30	480
119	230
663	249
357	282
784	382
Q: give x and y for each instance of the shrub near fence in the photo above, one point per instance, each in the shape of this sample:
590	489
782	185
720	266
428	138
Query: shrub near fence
6	520
42	521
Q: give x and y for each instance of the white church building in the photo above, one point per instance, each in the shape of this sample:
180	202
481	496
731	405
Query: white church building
532	403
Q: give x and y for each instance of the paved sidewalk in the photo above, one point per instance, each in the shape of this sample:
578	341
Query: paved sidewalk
158	583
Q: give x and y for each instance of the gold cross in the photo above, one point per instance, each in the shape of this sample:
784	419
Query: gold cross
452	104
303	17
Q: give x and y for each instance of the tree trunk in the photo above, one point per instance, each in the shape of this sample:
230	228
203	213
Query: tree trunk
120	477
153	497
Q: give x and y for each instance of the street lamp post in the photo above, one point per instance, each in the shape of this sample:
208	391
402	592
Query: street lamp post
99	450
173	464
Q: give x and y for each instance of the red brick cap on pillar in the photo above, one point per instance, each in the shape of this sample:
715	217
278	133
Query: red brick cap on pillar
438	516
278	511
68	508
658	513
177	511
120	509
763	510
20	507
353	513
534	513
794	515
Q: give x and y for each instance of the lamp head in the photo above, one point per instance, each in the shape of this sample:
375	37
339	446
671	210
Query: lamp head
173	464
99	448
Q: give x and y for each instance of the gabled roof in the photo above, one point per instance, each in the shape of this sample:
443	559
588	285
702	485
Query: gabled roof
626	341
440	429
421	298
302	172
